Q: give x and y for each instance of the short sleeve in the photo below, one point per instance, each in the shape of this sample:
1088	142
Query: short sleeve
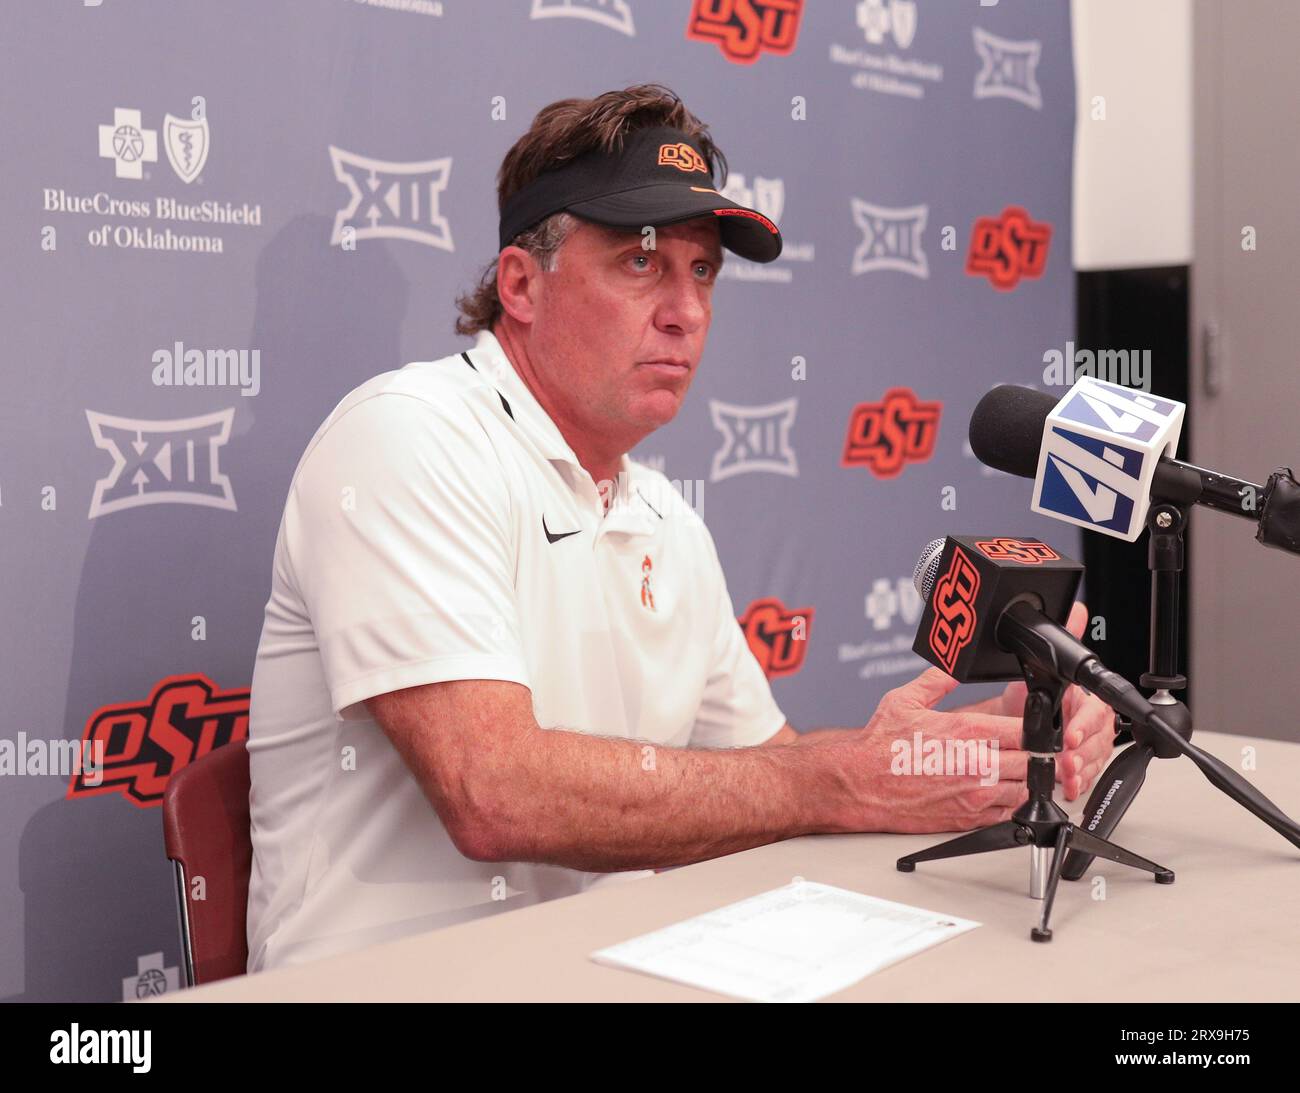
738	709
398	528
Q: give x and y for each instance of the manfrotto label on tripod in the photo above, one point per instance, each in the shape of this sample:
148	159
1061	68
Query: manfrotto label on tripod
1105	804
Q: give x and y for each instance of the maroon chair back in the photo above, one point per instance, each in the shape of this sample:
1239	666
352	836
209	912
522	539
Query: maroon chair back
206	829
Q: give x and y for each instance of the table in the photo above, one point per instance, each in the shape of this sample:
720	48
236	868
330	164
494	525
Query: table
1224	931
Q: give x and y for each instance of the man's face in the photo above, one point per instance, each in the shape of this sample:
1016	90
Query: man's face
618	330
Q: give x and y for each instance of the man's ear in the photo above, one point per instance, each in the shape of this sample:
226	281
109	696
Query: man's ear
518	282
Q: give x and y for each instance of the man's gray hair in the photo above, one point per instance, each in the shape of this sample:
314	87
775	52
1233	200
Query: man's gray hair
543	242
480	308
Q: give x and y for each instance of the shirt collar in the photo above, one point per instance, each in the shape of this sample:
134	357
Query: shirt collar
493	364
630	511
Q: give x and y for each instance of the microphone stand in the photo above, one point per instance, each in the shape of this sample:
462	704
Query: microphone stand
1118	787
1040	823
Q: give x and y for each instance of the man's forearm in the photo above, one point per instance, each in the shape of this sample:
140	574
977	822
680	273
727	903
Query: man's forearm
603	804
823	736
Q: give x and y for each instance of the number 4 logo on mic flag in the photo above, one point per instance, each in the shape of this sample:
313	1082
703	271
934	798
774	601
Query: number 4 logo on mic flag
1101	445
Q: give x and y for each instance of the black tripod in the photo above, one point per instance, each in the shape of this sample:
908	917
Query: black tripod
1118	787
1040	823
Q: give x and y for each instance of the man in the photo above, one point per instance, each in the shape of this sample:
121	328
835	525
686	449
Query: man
499	659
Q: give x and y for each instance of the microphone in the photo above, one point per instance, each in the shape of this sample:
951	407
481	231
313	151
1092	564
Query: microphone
1101	454
994	605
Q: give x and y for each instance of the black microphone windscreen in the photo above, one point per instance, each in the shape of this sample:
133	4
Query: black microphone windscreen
1006	429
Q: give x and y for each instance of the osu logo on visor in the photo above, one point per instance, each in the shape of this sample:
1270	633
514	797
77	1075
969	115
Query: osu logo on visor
1017	550
145	743
954	610
777	636
682	156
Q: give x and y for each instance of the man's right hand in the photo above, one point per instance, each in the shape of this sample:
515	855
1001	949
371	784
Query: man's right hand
881	761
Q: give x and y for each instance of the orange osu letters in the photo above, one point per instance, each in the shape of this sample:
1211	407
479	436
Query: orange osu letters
954	610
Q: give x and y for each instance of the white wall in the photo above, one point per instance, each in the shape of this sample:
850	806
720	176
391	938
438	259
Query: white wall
1133	170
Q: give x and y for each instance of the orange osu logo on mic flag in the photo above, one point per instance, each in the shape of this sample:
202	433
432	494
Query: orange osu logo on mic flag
777	635
954	610
884	436
1017	550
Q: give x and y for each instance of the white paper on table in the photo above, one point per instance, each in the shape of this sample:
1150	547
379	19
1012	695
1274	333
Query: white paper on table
792	944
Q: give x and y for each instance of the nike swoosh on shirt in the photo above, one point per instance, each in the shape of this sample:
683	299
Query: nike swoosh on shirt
555	538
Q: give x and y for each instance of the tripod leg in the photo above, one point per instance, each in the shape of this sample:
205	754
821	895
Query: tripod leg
1042	932
1115	790
1101	848
1001	836
1224	778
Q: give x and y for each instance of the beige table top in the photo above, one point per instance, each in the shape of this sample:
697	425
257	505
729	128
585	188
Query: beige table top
1225	930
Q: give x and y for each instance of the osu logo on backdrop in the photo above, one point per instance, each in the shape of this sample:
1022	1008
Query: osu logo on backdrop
954	610
897	430
145	743
743	29
777	635
1017	550
1008	247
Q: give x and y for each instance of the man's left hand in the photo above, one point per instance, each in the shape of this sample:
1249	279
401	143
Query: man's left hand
1089	724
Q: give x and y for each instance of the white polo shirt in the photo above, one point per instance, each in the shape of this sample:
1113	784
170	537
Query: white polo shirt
439	527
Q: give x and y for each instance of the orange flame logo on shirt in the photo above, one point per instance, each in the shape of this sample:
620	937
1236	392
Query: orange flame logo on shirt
647	597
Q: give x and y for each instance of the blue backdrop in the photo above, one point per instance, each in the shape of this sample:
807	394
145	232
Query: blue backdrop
221	216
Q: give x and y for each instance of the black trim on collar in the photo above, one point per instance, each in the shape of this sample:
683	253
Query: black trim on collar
648	505
502	397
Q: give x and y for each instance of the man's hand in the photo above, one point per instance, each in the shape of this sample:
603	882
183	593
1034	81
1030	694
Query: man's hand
1088	722
890	781
925	803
